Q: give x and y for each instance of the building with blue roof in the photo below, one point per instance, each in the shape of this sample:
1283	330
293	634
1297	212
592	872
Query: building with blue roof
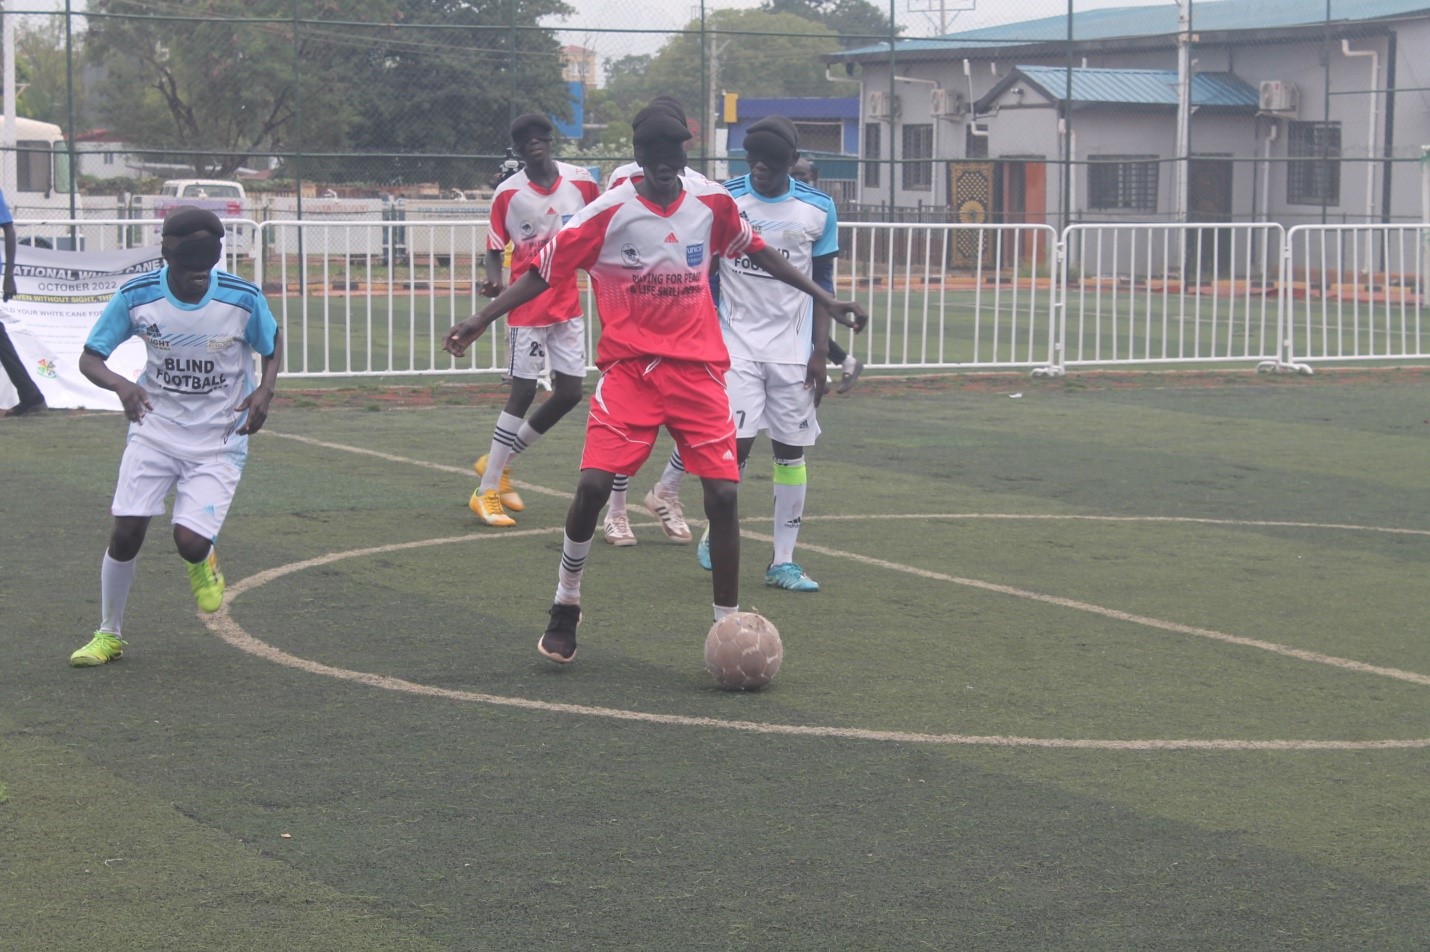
1291	115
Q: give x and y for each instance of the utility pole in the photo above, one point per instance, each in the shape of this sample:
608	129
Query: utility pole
7	139
1184	107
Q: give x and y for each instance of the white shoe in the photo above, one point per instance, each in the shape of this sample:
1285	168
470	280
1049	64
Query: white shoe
672	517
618	529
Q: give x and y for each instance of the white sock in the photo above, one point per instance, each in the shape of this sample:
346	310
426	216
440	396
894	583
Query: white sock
669	482
115	580
525	436
722	611
790	491
573	563
848	364
618	494
504	438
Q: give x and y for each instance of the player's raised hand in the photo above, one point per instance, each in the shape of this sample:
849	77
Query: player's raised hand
850	314
461	335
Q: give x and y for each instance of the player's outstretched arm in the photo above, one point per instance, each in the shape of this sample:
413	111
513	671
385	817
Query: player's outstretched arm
528	287
774	263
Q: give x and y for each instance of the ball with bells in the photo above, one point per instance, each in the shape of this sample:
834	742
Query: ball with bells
743	651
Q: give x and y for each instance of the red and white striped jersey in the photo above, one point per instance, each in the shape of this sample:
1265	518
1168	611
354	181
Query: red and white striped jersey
526	215
650	268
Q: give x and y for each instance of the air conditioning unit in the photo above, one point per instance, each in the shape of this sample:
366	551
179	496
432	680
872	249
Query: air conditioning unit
947	103
877	106
1280	97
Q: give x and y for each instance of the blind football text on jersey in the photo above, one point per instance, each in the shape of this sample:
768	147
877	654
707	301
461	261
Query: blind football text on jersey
763	318
649	268
199	363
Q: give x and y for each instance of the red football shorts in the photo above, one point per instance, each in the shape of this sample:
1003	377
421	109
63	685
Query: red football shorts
634	398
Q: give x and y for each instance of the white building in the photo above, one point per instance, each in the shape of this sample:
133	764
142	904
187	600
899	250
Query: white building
1291	117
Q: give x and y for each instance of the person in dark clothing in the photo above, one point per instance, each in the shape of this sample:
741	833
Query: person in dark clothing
30	397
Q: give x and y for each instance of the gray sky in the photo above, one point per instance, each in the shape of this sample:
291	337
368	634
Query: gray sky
917	17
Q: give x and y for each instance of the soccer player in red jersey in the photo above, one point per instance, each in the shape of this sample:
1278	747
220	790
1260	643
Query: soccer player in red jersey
527	209
647	247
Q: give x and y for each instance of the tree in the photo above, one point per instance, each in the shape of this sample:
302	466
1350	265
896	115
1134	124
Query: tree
218	86
450	81
755	54
858	22
626	82
428	82
40	72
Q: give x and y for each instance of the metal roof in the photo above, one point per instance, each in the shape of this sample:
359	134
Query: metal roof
1158	20
1141	87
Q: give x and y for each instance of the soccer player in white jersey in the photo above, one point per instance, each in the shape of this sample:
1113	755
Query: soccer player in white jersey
777	354
190	412
647	247
528	208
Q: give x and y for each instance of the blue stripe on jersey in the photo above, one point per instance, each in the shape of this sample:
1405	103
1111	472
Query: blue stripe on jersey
828	242
227	280
134	284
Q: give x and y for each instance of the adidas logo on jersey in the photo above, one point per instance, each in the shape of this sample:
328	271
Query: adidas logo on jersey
670	239
551	211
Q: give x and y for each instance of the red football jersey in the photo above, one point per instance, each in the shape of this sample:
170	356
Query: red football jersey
650	268
526	215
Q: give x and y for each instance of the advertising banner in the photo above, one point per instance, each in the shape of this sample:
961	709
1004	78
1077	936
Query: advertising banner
60	296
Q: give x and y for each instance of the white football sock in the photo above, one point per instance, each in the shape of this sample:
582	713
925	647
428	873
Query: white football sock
115	580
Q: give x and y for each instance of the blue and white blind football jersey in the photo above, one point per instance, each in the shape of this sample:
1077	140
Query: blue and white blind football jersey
200	359
763	318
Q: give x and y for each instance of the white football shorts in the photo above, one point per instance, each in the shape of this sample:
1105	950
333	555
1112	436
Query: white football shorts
203	491
564	344
771	397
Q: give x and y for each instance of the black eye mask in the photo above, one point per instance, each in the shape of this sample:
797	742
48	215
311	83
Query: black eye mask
660	152
196	253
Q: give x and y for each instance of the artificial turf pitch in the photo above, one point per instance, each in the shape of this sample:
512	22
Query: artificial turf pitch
1044	732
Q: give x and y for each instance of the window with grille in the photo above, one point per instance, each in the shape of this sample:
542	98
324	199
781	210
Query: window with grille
1316	178
32	166
1125	183
918	153
873	149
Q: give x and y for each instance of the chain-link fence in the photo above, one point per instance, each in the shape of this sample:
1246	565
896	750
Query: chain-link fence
1205	111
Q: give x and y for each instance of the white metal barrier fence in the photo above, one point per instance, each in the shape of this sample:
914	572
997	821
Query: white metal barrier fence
1195	293
951	296
370	298
1355	293
362	298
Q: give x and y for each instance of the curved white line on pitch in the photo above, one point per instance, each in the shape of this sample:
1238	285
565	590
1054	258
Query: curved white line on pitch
222	624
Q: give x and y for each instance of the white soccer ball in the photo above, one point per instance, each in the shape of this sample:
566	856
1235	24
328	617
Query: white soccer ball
743	651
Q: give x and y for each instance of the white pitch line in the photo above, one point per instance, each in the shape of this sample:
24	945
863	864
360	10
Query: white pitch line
439	467
1116	614
1045	517
223	625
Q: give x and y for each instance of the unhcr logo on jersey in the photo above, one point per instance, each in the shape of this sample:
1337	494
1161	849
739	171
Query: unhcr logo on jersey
694	254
